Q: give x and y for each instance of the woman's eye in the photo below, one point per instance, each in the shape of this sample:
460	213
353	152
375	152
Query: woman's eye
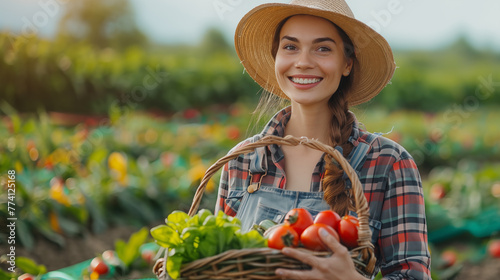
289	47
324	49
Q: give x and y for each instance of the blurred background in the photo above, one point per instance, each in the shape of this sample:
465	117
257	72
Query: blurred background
112	111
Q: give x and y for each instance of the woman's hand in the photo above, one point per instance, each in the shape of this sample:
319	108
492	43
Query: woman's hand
337	266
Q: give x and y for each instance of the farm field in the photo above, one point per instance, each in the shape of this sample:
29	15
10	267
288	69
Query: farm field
105	178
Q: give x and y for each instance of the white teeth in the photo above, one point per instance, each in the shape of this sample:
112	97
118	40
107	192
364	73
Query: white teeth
305	81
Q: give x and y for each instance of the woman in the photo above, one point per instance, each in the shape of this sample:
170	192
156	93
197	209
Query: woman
316	55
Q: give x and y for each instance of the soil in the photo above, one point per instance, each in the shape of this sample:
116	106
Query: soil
488	269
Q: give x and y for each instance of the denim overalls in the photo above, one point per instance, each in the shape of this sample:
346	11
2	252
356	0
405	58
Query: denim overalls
273	203
269	202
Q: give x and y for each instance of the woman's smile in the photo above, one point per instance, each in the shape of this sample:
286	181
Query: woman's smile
304	82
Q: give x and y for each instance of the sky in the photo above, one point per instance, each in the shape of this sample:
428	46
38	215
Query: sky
406	24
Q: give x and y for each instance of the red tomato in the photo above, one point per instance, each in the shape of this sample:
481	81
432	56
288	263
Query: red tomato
299	219
494	248
233	132
311	240
328	217
449	258
283	236
99	266
348	231
26	276
147	255
191	113
438	191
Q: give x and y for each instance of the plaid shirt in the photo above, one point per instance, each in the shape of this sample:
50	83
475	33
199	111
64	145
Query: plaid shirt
392	187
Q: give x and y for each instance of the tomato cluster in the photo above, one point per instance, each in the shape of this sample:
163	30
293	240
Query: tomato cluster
98	266
301	229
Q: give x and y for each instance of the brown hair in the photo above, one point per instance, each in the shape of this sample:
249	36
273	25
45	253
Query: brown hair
335	192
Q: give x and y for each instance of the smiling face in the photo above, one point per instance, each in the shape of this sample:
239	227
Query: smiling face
310	60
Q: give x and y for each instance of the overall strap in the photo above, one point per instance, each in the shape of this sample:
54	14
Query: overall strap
257	168
358	158
258	161
360	152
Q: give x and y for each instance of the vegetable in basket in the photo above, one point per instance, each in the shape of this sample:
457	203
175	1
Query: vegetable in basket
203	235
310	237
300	220
348	231
283	236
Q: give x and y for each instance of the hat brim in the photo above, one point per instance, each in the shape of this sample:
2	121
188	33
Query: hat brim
373	68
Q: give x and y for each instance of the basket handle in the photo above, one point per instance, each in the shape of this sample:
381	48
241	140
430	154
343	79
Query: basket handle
365	247
364	233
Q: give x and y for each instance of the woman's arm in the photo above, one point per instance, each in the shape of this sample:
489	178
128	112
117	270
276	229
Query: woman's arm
403	236
220	204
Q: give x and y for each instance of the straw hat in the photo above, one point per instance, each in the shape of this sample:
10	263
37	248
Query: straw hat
374	65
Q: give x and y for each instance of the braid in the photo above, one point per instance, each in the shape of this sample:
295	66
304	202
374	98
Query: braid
335	193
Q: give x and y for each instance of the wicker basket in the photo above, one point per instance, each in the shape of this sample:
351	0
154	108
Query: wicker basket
261	263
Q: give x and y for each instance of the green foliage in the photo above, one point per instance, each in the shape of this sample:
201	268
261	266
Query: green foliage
214	42
132	169
203	235
22	265
135	168
101	24
463	213
434	81
442	138
75	76
29	266
128	252
470	204
4	275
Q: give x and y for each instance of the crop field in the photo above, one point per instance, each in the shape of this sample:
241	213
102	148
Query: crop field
133	169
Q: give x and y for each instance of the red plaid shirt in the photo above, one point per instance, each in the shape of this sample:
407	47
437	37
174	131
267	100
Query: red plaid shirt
392	187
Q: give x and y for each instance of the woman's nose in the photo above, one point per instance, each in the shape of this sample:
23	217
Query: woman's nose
304	60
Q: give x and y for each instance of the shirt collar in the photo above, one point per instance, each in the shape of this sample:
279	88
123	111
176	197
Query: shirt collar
276	126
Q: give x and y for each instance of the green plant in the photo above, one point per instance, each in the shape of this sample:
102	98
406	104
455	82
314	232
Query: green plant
203	235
